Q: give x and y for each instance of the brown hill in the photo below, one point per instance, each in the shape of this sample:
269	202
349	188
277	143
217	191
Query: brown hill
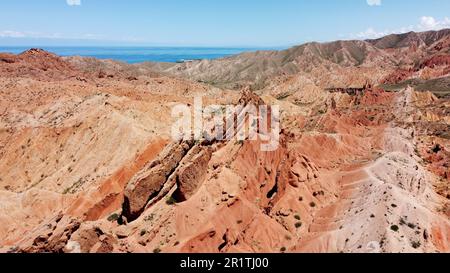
379	57
424	39
35	63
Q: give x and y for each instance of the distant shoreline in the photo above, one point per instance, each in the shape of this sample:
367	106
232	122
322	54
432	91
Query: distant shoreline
134	55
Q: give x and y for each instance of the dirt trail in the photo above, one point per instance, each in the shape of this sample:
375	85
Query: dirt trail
392	192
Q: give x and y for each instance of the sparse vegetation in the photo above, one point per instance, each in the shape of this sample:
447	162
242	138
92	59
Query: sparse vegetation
74	188
331	147
416	244
402	221
113	217
157	250
283	96
149	217
171	201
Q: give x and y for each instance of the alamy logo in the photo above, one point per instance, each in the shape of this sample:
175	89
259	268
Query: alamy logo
230	122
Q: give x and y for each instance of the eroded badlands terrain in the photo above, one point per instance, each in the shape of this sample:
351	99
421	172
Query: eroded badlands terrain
87	162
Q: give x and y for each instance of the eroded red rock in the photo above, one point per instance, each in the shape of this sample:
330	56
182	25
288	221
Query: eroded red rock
88	165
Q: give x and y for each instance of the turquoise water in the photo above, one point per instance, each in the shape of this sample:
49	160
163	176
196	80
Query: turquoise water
141	54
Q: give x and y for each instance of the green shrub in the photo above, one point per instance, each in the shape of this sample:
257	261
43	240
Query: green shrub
113	217
394	228
416	245
171	201
157	250
150	217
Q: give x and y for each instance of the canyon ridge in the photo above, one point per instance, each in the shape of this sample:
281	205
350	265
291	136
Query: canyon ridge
88	164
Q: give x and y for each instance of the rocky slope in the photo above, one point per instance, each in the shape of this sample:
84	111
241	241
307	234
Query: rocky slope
391	59
87	163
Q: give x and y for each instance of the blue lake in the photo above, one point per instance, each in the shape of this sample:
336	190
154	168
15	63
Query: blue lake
141	54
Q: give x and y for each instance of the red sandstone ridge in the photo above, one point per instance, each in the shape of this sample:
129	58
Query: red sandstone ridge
438	60
35	63
398	76
87	162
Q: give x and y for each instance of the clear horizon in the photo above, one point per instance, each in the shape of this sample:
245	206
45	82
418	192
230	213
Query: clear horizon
199	23
135	54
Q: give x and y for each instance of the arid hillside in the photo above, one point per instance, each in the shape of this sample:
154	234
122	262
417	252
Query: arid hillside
392	59
88	164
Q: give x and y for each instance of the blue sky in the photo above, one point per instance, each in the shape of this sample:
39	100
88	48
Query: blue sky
212	22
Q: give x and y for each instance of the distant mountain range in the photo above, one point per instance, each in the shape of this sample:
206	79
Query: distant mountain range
378	60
